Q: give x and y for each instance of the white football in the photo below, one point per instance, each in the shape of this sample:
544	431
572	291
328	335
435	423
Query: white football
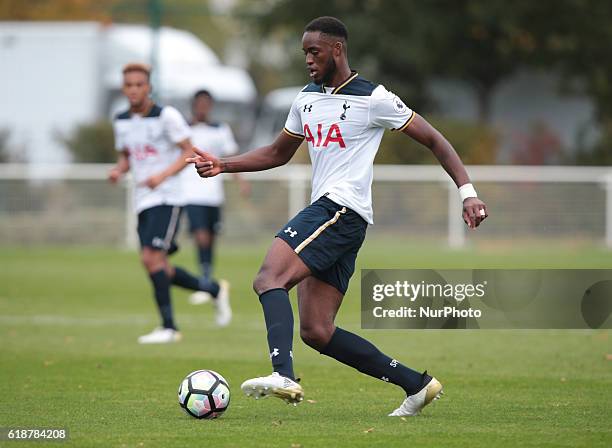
204	394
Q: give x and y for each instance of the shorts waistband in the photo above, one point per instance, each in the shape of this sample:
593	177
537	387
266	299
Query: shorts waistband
327	200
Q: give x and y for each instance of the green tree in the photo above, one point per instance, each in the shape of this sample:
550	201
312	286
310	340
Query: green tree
56	9
92	143
403	43
576	41
479	42
5	155
577	44
476	144
193	15
380	44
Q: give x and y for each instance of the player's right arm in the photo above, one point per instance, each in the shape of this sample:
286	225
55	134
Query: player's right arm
122	167
276	154
123	162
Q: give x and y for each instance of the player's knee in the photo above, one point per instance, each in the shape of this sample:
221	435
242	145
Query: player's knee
146	260
203	238
316	336
266	280
152	261
261	282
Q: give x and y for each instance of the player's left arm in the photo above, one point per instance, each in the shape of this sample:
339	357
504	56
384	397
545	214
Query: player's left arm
174	168
423	132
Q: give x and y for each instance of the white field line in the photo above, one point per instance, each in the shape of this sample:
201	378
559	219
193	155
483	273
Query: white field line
255	323
247	322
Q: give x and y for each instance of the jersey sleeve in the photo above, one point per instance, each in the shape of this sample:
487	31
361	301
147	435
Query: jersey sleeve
388	111
229	142
175	126
293	125
119	142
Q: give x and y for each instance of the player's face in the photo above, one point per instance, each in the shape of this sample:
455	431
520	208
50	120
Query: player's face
136	88
201	108
320	52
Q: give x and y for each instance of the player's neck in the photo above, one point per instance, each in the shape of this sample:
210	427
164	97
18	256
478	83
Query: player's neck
142	109
341	75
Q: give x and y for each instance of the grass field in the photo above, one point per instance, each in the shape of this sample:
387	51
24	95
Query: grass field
69	319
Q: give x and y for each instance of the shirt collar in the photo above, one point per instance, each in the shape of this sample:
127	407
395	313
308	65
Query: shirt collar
343	84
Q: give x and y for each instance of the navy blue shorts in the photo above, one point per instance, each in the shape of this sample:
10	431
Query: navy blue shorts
204	217
157	227
327	237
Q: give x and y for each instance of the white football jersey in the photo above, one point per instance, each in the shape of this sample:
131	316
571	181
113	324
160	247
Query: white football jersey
343	127
216	139
150	142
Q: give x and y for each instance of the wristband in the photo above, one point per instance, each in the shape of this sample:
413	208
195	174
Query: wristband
467	191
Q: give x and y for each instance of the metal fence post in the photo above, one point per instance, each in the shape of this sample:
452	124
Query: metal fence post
130	217
456	226
609	211
297	191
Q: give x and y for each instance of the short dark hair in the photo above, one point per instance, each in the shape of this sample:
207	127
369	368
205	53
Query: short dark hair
202	92
328	25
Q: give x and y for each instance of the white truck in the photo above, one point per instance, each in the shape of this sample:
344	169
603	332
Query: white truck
56	75
274	110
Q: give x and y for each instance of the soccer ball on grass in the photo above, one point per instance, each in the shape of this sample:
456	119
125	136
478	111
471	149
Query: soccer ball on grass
204	394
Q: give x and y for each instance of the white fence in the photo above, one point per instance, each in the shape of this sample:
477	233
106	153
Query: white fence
74	204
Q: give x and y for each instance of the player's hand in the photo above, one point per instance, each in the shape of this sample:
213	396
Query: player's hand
114	175
154	181
206	164
474	212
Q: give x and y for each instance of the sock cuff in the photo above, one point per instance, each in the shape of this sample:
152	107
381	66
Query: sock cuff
179	271
325	350
158	275
271	290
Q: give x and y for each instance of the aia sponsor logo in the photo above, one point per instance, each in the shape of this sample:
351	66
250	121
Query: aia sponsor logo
143	152
332	135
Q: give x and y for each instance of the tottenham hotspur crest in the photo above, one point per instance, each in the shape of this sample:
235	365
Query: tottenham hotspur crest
398	105
345	106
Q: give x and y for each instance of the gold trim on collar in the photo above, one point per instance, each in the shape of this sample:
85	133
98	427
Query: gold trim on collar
350	78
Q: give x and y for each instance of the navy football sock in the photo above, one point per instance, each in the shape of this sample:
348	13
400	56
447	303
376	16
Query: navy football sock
279	322
205	259
210	286
206	269
355	351
161	288
185	280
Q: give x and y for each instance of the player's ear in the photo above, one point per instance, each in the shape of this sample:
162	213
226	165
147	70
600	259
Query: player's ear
338	48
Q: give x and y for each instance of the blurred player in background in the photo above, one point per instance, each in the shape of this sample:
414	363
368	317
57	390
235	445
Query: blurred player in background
342	116
152	142
204	197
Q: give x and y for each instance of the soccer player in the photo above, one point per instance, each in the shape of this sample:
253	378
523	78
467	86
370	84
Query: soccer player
342	116
204	200
153	141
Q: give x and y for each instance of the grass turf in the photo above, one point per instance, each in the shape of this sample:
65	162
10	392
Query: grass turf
69	319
